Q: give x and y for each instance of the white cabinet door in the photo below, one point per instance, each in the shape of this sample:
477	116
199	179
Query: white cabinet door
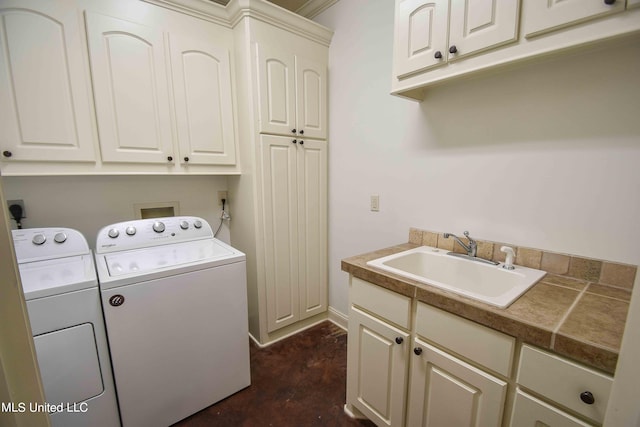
280	216
377	368
45	102
482	24
312	226
421	35
445	391
293	94
203	101
539	17
277	87
311	98
531	412
131	90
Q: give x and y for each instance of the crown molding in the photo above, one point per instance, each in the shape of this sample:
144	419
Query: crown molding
313	8
203	9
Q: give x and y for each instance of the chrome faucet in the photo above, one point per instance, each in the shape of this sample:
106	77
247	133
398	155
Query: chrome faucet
471	248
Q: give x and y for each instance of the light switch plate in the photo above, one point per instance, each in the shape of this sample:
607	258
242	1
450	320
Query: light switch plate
375	203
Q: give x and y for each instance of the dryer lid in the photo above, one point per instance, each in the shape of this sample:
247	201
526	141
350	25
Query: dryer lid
57	276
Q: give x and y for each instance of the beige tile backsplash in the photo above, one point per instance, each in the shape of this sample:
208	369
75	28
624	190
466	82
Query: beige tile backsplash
604	273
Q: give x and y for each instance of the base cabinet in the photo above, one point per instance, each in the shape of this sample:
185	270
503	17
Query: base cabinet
446	391
531	412
379	350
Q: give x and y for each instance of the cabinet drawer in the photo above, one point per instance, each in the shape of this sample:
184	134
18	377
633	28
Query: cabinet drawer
531	412
563	381
483	345
384	303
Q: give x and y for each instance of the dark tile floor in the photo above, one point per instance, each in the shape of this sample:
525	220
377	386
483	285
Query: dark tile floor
297	382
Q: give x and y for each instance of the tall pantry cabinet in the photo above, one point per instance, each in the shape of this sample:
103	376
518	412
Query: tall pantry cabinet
280	200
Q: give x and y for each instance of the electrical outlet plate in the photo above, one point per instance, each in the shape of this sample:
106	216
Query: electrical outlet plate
222	195
18	202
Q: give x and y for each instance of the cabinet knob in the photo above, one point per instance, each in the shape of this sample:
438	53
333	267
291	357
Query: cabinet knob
186	159
609	2
294	130
169	158
7	153
437	55
301	142
295	141
301	132
587	397
399	340
453	49
417	351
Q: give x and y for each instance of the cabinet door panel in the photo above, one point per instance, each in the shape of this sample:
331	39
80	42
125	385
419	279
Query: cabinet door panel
204	108
539	17
281	230
131	90
482	24
377	368
438	379
276	80
421	31
311	99
312	230
45	109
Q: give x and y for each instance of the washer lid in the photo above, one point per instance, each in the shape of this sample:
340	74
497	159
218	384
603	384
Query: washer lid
57	276
142	261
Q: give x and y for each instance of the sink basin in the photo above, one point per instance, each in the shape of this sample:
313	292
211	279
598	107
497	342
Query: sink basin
490	284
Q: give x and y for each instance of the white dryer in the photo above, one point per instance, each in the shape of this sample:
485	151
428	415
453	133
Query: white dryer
61	289
175	305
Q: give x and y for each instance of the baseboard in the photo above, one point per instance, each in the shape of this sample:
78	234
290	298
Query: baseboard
338	318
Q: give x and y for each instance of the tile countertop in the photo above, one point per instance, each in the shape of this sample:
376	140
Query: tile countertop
578	319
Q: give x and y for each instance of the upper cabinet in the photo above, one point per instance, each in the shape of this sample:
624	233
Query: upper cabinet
45	102
431	33
293	94
131	91
438	40
547	16
115	87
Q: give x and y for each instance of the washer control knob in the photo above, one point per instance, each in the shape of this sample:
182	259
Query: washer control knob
184	225
197	223
131	230
39	239
113	233
60	237
158	227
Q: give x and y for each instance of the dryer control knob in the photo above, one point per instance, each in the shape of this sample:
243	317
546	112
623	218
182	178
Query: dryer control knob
113	233
184	225
39	239
131	231
60	237
158	227
197	223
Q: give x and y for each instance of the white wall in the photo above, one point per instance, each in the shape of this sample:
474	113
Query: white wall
545	155
88	203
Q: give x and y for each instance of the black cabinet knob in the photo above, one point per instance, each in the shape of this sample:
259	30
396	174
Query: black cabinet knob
186	159
587	397
437	55
609	2
170	159
453	49
301	132
301	142
293	130
7	153
417	351
295	141
399	340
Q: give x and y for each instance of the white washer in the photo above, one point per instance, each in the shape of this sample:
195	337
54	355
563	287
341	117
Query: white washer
61	289
175	305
